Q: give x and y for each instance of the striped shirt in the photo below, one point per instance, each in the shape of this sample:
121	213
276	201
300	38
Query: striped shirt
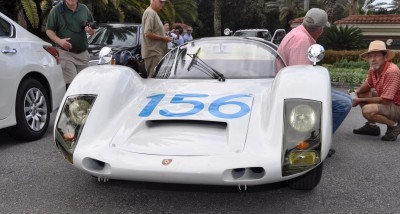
387	83
294	46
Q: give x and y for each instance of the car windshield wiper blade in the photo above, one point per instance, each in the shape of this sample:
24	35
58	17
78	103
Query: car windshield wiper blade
204	67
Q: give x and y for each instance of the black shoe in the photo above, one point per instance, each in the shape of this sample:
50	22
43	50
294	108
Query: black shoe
368	129
331	152
391	133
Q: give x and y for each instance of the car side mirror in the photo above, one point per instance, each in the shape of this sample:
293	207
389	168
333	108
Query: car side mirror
227	32
315	53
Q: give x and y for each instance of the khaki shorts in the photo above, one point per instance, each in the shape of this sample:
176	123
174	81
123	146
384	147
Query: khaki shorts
391	111
72	63
150	63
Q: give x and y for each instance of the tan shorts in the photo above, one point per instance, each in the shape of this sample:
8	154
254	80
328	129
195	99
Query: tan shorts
391	111
151	63
72	63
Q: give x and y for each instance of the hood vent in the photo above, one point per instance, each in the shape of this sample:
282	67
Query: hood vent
193	123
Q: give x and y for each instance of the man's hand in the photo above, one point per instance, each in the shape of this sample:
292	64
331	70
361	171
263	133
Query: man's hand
64	43
356	101
89	30
168	39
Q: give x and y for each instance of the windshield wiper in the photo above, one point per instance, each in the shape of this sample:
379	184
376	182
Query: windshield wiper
204	67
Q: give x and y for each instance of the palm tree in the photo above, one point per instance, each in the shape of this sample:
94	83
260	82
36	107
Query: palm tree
217	17
329	7
30	8
306	5
353	7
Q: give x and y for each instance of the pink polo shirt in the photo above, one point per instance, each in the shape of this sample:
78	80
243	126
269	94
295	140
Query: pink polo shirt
294	46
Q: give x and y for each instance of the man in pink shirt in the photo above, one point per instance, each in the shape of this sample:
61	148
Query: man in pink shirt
379	95
294	48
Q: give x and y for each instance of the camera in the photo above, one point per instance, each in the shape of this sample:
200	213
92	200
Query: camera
93	24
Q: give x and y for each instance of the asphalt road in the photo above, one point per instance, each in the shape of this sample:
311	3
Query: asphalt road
362	177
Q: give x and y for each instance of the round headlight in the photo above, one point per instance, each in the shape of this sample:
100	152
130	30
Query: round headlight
302	118
78	110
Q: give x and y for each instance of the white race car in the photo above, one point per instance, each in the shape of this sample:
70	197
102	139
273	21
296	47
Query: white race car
215	112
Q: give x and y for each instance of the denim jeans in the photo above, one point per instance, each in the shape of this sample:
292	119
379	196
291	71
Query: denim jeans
341	105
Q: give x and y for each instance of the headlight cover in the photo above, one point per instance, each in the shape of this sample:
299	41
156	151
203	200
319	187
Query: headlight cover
301	135
70	124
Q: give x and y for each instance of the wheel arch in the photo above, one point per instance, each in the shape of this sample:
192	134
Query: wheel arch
43	80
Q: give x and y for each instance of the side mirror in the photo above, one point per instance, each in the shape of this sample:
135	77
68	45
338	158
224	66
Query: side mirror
316	53
105	56
227	32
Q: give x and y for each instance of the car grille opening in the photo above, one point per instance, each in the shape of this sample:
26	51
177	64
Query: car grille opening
249	173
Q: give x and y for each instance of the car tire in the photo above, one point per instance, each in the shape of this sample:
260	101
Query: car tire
32	111
307	181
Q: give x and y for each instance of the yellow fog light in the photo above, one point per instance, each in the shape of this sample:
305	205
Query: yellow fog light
303	158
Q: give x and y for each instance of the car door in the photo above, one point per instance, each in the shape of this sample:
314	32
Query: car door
10	64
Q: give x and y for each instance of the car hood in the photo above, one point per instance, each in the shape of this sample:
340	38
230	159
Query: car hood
213	123
192	135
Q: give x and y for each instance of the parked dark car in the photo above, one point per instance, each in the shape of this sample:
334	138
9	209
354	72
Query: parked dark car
123	39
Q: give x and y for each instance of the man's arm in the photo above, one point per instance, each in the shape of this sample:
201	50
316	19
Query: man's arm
154	36
61	42
364	88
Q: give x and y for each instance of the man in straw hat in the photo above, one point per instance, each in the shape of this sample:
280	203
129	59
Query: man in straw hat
379	95
293	50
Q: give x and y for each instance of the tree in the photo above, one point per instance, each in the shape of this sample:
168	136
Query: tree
217	17
342	38
353	7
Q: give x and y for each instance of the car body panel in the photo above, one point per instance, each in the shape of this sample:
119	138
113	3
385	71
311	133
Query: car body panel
113	125
30	59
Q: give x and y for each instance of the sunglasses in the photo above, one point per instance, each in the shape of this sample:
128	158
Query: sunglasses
162	2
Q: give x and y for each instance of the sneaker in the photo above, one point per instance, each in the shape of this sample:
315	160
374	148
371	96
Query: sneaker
391	133
368	129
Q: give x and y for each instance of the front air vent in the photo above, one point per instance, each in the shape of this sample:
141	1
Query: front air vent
193	123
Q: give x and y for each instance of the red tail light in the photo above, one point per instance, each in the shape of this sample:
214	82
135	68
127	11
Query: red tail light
54	52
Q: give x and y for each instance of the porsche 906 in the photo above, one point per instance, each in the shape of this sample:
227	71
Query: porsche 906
218	111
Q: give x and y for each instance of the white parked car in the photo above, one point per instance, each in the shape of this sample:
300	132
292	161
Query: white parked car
215	112
31	81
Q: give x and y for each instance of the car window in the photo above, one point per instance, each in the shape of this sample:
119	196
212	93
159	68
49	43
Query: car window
235	59
5	28
125	36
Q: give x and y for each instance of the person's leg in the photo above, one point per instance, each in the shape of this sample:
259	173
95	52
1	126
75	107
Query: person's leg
151	63
67	66
389	115
341	106
81	61
369	128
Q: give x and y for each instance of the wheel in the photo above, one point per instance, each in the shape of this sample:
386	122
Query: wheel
32	111
307	181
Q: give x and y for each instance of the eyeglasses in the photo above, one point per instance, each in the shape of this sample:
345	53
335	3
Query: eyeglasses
162	2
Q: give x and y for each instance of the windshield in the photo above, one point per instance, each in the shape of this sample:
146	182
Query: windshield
233	58
118	35
254	33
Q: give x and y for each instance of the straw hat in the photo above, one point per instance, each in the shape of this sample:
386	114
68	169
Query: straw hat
375	46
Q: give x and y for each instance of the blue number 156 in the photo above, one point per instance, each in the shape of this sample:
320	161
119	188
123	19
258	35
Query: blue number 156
197	105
